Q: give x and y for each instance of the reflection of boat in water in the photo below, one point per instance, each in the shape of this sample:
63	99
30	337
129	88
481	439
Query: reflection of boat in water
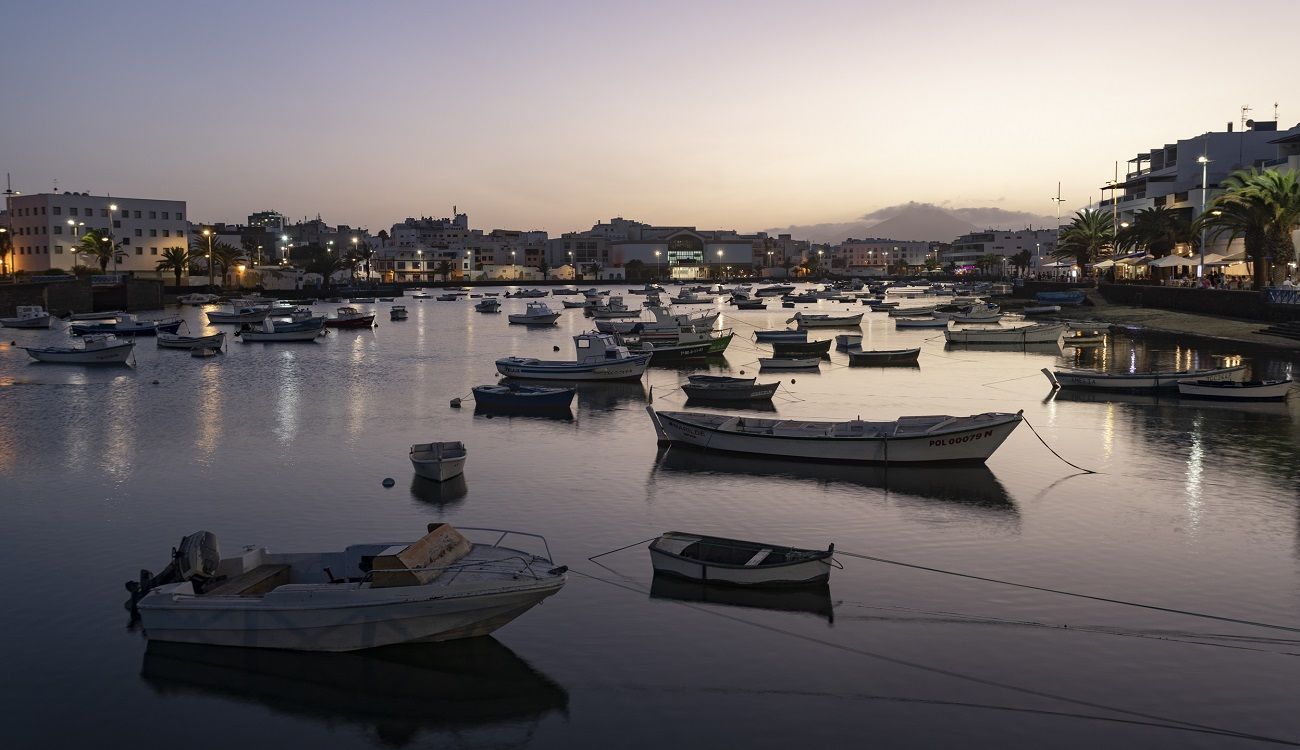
972	484
1156	398
396	691
814	600
439	493
598	395
1033	347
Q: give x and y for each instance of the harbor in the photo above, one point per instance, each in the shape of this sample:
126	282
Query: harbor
956	598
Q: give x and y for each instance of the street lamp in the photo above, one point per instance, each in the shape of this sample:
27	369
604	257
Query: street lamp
112	207
512	265
719	264
658	269
208	233
4	230
1204	161
820	272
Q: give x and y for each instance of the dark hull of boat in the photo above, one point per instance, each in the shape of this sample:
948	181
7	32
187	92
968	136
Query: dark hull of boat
560	399
800	348
883	359
363	322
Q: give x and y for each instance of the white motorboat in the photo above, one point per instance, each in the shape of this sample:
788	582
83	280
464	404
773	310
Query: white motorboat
974	313
822	320
270	331
398	312
599	357
734	562
846	341
439	461
488	306
920	322
789	363
780	334
1030	334
239	315
440	587
536	314
1136	381
100	349
176	341
1235	390
613	308
927	439
700	321
196	299
27	316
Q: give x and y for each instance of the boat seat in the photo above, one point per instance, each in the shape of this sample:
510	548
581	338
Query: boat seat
255	582
758	557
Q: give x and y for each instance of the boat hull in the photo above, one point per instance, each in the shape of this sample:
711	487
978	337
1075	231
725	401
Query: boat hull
803	573
216	318
883	358
973	445
628	369
42	321
309	334
1013	336
115	355
739	393
440	471
534	320
1158	381
364	321
425	616
1267	391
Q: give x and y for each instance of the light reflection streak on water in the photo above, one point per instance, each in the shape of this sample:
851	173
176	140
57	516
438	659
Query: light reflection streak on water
209	414
1195	470
118	445
359	389
286	403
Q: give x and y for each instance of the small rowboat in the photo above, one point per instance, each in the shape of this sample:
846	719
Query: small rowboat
782	334
176	341
801	348
1232	390
1038	333
846	341
819	320
438	461
522	397
710	559
879	305
719	388
881	357
104	349
920	323
787	363
751	304
1135	381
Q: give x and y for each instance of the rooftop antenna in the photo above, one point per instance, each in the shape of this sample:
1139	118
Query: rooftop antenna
9	185
1245	110
1275	112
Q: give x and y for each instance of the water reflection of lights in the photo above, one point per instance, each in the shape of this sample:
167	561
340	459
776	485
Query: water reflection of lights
209	414
286	401
1195	472
118	447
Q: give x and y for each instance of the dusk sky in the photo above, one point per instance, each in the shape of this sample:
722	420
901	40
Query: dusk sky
553	115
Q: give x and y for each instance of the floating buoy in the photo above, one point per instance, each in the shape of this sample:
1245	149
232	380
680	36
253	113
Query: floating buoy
555	348
155	382
388	482
792	381
455	403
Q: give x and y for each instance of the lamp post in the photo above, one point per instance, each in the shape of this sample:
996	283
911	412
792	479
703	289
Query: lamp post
111	246
208	233
354	252
1204	161
719	264
821	273
419	265
4	230
512	265
658	268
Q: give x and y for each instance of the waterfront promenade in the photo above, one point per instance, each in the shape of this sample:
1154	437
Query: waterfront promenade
1173	322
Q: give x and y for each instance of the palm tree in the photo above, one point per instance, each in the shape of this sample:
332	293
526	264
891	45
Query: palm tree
176	260
6	248
326	265
364	253
225	255
1020	261
986	263
444	268
545	268
1158	230
1263	209
594	268
97	244
1089	236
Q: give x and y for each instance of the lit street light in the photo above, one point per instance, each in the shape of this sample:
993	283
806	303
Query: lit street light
658	268
208	233
719	264
1204	161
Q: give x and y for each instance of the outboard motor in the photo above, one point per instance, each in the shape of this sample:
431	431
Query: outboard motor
195	559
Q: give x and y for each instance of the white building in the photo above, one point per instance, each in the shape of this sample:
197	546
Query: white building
47	229
967	249
877	257
667	252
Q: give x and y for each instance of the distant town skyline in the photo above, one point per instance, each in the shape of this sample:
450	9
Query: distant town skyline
554	116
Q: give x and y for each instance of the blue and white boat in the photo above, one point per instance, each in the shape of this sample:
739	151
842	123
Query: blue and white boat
599	357
1075	297
516	396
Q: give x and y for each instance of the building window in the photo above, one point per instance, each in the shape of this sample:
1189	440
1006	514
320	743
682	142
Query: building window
140	251
58	249
153	232
153	214
165	215
178	216
103	213
117	224
58	229
126	214
72	211
58	210
137	214
153	251
139	233
167	232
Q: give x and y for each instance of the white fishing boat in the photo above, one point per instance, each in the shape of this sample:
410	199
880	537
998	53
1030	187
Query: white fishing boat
1236	390
723	388
599	357
922	439
440	587
27	316
775	290
822	320
734	562
1030	334
439	461
100	349
789	363
580	304
196	299
973	313
176	341
239	315
1136	381
270	331
920	322
488	306
536	314
700	321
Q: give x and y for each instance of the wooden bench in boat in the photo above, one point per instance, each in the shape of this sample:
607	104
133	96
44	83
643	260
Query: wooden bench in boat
255	582
758	557
420	561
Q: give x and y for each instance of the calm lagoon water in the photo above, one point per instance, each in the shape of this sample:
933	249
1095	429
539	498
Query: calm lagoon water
1194	507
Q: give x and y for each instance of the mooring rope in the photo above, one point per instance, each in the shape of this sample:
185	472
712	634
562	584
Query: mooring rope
1053	450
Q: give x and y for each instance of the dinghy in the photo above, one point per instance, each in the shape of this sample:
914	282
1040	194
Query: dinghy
821	320
438	461
102	349
801	348
1031	334
239	315
176	341
920	323
1233	390
719	388
847	341
440	587
1136	381
516	396
271	331
789	363
920	439
883	357
734	562
782	334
